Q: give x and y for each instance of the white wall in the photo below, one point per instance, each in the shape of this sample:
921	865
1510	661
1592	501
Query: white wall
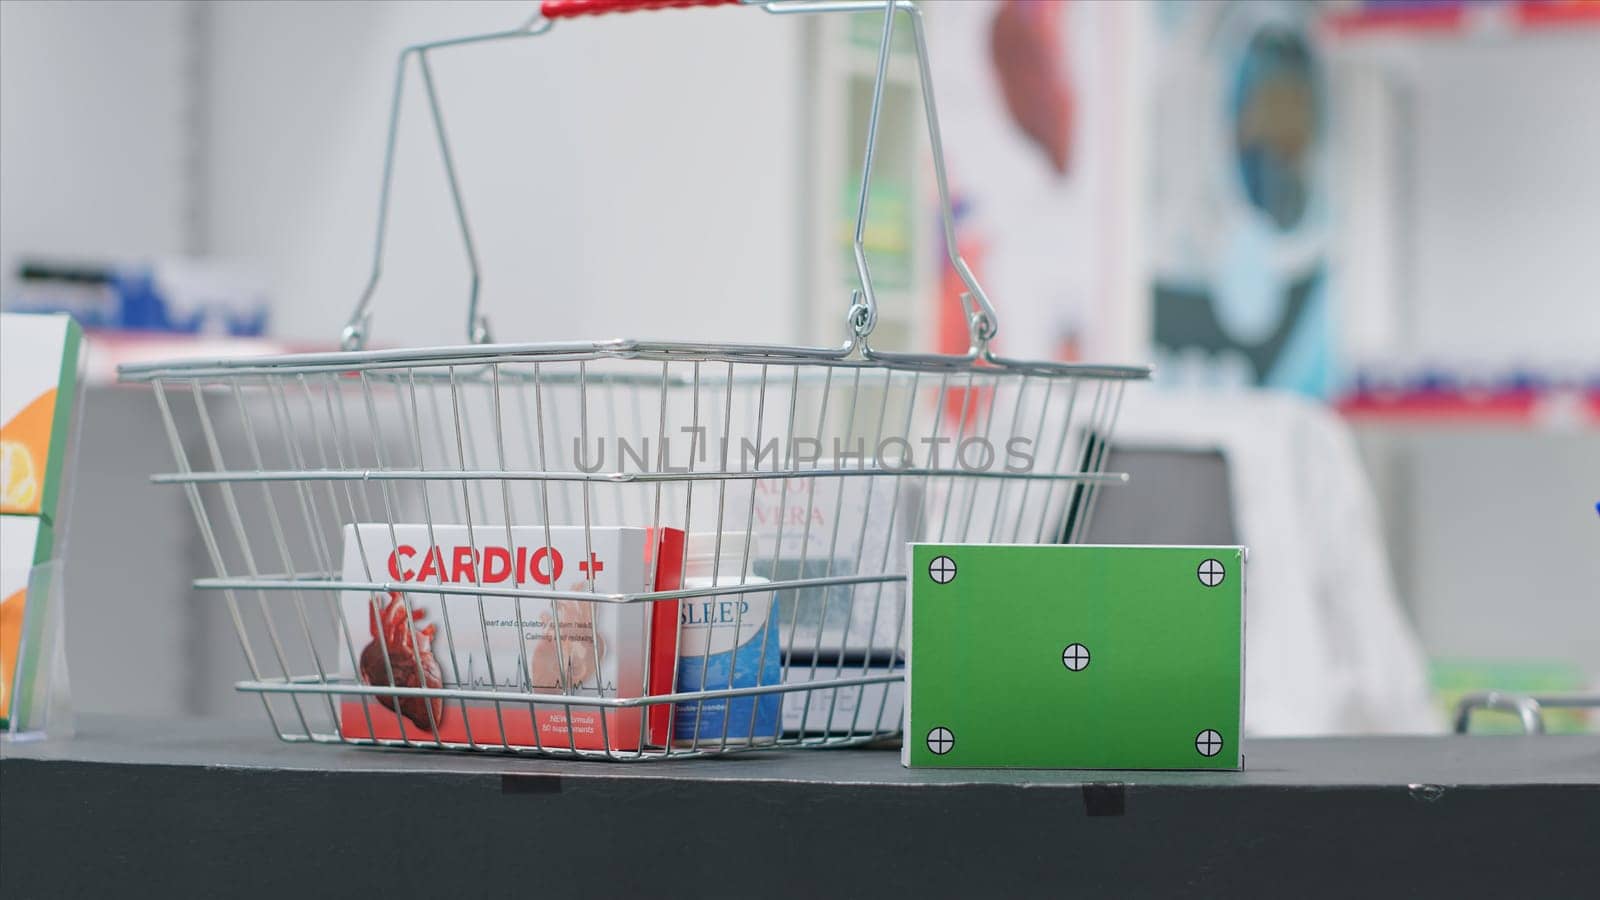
631	176
1504	563
1367	239
1507	199
1470	199
94	165
92	138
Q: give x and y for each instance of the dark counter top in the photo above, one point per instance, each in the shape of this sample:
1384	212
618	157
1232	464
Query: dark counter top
194	807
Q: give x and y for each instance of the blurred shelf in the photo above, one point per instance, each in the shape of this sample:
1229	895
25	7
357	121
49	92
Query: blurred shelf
1555	410
109	349
1461	21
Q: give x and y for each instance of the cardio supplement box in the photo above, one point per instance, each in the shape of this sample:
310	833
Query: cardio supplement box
1075	657
577	648
38	386
25	541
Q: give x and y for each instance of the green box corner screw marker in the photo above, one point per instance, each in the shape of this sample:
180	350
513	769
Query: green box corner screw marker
1075	657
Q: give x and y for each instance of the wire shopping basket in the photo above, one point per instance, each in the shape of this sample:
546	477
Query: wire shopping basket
620	549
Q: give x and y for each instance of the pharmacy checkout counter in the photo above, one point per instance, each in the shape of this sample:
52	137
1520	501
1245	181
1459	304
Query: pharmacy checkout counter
205	808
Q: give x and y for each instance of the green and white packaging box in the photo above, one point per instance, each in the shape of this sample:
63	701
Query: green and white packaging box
1074	657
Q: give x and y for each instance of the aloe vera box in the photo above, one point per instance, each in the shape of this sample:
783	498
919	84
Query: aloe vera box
1075	656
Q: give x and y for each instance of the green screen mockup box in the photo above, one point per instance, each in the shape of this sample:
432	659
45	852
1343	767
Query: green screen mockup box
1074	656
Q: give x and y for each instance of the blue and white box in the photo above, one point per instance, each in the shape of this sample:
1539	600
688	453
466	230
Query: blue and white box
726	641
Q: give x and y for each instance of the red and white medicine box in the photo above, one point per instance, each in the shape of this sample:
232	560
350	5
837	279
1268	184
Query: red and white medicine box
416	638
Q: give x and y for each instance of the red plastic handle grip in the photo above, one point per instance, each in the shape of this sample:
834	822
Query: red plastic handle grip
569	9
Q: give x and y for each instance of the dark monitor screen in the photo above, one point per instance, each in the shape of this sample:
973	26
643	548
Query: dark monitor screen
1173	496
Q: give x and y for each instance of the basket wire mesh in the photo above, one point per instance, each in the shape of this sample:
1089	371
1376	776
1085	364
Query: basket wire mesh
806	471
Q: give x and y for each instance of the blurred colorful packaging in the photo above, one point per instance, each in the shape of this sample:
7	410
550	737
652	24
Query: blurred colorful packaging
1454	679
171	296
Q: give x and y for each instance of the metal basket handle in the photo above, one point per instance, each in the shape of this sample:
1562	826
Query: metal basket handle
982	321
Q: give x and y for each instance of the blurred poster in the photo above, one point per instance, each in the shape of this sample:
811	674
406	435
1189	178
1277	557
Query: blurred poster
1026	98
1238	226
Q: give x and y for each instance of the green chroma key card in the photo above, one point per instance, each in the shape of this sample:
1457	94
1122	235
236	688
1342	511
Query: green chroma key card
1075	657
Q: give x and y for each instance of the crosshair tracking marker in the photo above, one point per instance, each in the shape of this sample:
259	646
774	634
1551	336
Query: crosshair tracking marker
941	740
1211	573
1075	657
942	570
1208	742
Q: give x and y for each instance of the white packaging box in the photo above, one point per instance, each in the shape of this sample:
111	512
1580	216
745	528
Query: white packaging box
833	710
830	526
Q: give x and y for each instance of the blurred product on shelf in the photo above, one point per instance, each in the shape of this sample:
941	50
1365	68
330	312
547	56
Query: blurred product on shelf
173	296
1454	18
1239	228
1454	679
1550	395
